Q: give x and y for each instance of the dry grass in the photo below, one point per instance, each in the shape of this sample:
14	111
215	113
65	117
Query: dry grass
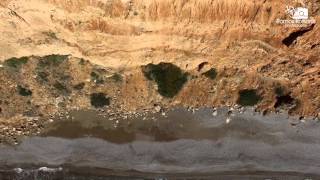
192	10
204	10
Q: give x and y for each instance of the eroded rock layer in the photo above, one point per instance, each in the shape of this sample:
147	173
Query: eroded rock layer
129	55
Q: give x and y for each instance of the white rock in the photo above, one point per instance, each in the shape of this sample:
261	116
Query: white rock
228	120
157	108
18	170
215	113
46	169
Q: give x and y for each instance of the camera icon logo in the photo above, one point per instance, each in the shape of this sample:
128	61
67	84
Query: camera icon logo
298	13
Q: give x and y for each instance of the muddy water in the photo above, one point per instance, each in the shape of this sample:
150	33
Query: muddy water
178	144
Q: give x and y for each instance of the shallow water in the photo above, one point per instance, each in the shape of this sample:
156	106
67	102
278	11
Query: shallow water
181	144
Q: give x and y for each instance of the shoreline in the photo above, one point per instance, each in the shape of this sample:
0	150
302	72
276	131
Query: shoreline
259	142
40	88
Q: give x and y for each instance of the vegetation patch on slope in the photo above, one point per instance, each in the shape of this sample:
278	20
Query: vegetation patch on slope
99	100
16	63
248	97
169	77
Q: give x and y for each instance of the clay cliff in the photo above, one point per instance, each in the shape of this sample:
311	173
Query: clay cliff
135	54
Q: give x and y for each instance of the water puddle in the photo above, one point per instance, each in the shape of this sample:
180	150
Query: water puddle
174	125
177	144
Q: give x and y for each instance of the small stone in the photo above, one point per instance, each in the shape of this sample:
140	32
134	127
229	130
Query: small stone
228	120
157	108
18	170
215	113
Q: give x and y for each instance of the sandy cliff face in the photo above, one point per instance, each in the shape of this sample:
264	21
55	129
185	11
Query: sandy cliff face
231	52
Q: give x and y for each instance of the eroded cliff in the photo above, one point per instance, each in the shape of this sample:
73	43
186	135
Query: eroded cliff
59	55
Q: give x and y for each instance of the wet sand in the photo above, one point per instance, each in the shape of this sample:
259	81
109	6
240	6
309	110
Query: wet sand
179	143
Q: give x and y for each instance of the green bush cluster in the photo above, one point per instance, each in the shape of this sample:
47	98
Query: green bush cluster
169	77
249	97
16	63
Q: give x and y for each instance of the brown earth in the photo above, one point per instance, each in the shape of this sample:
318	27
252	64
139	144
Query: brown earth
112	43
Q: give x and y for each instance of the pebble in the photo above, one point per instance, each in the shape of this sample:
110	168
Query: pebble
46	169
18	170
157	108
228	120
215	113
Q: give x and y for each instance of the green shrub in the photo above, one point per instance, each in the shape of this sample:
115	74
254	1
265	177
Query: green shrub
16	62
96	77
24	91
43	76
248	97
169	77
52	60
62	88
279	90
99	100
117	77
